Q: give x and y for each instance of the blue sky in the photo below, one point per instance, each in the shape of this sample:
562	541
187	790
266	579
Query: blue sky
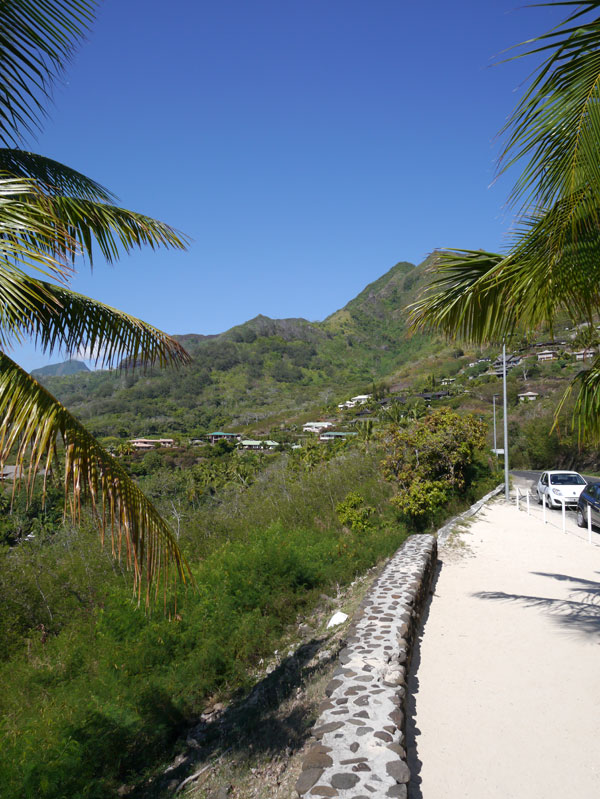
305	146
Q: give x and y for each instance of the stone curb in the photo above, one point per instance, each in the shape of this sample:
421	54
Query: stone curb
444	532
359	736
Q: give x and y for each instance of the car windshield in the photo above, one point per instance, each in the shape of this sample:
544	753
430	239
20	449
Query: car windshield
567	479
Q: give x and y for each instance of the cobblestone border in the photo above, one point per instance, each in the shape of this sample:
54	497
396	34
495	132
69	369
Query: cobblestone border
359	749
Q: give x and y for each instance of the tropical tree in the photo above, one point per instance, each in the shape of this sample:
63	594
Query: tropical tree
51	216
553	261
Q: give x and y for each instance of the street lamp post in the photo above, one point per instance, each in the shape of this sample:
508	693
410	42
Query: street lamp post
495	443
506	488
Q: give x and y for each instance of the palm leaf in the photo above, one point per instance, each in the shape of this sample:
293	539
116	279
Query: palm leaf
37	40
112	228
61	319
555	128
464	300
56	178
31	423
29	233
50	231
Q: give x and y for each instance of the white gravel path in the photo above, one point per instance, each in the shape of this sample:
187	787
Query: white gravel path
506	681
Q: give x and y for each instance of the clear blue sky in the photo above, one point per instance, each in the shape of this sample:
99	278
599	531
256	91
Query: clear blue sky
305	146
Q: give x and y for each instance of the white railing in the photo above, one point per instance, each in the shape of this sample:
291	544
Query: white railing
519	494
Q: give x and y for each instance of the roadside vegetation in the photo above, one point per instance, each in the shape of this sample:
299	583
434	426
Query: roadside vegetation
95	690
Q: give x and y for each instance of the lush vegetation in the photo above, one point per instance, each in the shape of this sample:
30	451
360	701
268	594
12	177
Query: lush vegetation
94	690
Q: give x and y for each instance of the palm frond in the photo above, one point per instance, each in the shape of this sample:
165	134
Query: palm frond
31	423
111	228
555	125
60	319
467	298
29	233
586	409
37	40
56	178
50	231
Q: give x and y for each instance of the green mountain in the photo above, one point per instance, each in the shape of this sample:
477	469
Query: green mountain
262	373
62	369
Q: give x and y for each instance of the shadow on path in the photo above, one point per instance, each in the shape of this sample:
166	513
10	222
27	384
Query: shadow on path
580	612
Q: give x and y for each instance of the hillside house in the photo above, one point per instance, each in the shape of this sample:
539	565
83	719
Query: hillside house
330	436
547	355
214	438
360	399
248	443
316	427
447	381
512	360
151	443
584	355
428	396
528	396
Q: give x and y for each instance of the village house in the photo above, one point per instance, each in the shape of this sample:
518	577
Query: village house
316	427
583	355
512	360
428	396
151	443
330	436
528	396
247	443
360	399
447	381
219	436
547	355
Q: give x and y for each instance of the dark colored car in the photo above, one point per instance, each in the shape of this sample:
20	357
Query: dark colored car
590	496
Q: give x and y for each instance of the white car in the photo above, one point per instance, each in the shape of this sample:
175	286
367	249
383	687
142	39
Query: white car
559	487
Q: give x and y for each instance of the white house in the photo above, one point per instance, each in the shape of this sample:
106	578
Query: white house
447	381
335	436
316	427
528	396
547	355
360	399
151	443
583	355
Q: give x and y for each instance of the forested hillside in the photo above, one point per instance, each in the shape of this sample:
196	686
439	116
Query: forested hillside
263	368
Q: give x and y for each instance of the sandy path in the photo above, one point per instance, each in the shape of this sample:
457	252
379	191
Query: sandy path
506	681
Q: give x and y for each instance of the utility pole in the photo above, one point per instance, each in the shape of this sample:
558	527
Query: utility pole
506	488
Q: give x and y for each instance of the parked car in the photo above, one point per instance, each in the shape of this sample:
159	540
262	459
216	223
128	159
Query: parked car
559	486
589	496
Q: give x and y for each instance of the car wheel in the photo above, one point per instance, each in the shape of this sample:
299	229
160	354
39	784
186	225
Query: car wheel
580	518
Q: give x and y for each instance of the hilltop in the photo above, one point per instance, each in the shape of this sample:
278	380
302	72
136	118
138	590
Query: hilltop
62	369
262	372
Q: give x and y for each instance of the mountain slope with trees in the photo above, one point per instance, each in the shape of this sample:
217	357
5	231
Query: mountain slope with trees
262	369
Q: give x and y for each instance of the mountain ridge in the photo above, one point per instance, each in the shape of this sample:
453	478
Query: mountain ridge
263	369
